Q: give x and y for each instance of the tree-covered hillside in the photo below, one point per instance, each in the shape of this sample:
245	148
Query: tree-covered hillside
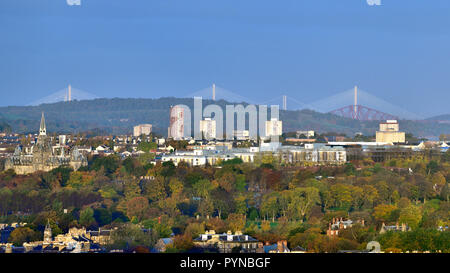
4	127
120	115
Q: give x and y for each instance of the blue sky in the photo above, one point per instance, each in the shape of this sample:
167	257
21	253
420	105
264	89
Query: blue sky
306	49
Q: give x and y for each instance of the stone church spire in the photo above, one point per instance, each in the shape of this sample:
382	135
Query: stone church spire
42	129
47	233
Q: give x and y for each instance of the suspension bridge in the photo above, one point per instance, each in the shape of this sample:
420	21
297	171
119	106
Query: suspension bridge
354	103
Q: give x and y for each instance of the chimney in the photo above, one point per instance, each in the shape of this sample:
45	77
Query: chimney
280	246
8	248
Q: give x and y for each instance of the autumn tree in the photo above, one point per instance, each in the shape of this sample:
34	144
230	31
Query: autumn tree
195	229
236	222
138	207
216	224
383	212
438	180
181	243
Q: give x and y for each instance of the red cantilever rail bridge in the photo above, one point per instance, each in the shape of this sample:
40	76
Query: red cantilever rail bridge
360	112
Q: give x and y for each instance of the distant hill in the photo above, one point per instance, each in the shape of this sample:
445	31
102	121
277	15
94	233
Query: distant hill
117	115
4	127
441	117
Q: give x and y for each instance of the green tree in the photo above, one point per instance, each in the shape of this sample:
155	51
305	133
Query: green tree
87	217
147	146
129	236
102	216
432	167
411	215
301	202
270	206
22	235
202	188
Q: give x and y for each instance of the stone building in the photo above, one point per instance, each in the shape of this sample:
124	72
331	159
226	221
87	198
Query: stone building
142	129
390	132
339	224
397	228
42	157
225	242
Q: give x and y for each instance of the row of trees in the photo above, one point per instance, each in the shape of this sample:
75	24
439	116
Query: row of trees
266	199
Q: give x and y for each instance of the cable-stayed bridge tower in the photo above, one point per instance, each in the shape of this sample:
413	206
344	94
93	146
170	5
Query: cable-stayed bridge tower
67	94
361	112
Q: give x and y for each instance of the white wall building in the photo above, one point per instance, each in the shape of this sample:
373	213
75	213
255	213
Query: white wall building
307	134
241	134
274	127
142	129
208	128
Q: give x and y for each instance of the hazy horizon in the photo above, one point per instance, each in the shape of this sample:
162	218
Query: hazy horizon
308	50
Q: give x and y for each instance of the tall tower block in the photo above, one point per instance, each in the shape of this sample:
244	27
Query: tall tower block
355	107
284	102
214	91
70	92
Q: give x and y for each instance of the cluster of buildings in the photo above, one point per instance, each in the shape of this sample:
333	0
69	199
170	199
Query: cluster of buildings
401	228
43	156
179	129
76	240
211	154
338	224
225	242
231	243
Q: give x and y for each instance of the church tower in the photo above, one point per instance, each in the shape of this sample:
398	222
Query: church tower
42	129
48	233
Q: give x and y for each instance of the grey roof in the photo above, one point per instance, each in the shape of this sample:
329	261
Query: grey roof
298	248
167	241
